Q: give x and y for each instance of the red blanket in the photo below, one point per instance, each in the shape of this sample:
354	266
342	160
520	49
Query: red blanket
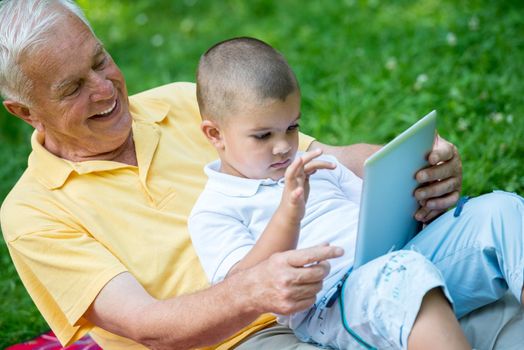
48	341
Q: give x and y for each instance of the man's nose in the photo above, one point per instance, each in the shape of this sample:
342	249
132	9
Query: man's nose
102	88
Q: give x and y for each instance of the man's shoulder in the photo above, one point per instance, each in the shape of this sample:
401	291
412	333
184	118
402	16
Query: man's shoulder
21	203
169	92
175	99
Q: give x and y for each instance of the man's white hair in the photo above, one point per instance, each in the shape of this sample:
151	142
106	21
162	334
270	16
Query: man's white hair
24	25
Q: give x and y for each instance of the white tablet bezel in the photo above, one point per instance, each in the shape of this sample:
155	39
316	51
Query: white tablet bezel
387	207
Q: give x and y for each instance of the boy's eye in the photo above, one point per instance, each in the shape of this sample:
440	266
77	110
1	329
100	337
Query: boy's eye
293	127
262	136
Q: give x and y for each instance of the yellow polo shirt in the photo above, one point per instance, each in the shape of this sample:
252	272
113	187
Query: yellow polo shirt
72	226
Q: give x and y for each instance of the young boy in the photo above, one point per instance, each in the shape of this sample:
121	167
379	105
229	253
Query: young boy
258	200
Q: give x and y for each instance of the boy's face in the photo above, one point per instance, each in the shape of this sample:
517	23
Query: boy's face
260	141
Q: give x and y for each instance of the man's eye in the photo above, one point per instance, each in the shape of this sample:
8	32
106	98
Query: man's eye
101	64
293	127
70	91
262	136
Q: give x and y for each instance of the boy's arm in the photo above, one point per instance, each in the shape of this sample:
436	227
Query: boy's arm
281	233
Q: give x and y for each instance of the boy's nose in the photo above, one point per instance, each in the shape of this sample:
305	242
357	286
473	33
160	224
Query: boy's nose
281	147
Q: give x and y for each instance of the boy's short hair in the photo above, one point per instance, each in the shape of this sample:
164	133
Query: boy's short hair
239	70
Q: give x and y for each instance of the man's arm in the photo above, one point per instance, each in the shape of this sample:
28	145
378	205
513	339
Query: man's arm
441	182
204	318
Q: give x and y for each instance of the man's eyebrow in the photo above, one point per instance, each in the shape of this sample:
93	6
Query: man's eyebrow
99	48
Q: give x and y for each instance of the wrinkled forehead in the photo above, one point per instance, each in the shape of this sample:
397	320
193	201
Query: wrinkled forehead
65	47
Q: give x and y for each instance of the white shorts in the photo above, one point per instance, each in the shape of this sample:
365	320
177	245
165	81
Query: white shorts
381	302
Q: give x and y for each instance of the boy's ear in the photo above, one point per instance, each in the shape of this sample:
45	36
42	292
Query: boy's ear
212	132
21	111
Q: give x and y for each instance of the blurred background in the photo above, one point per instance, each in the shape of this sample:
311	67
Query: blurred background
367	70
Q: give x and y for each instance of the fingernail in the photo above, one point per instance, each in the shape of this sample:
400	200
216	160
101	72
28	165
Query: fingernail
422	194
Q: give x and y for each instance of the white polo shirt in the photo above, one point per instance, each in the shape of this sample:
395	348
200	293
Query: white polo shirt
232	212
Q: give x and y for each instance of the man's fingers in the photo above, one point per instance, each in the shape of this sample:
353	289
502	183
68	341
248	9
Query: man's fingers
445	162
437	189
440	171
452	168
444	202
432	215
424	214
442	151
433	207
301	257
288	308
313	273
307	291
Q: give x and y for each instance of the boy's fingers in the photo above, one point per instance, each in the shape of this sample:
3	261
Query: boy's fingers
294	168
313	166
297	193
309	156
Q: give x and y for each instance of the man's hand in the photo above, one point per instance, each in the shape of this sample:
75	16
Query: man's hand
285	283
296	190
441	182
288	282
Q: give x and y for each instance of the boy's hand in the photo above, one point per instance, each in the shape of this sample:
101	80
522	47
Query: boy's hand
296	180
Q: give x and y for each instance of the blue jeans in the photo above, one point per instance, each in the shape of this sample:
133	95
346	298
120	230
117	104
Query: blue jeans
480	253
476	257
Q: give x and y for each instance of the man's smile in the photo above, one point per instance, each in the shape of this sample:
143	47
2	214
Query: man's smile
108	112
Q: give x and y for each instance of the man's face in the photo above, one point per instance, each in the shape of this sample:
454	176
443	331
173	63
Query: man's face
260	142
79	97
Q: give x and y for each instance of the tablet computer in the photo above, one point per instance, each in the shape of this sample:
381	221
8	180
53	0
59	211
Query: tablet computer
387	207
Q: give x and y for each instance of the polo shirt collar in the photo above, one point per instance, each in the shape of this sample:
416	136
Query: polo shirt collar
235	186
53	171
50	170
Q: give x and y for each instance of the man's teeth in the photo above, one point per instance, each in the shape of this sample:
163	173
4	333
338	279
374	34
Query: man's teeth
108	110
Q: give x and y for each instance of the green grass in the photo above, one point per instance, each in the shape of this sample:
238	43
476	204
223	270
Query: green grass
367	70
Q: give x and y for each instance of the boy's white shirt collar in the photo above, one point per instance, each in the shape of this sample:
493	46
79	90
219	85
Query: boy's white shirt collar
235	186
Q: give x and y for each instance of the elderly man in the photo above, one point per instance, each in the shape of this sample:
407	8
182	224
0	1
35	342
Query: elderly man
96	226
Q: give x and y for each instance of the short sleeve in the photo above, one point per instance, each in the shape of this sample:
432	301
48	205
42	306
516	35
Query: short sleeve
348	182
220	241
62	268
304	141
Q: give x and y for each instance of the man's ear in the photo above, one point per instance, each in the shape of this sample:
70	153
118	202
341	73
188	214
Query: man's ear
212	132
23	112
